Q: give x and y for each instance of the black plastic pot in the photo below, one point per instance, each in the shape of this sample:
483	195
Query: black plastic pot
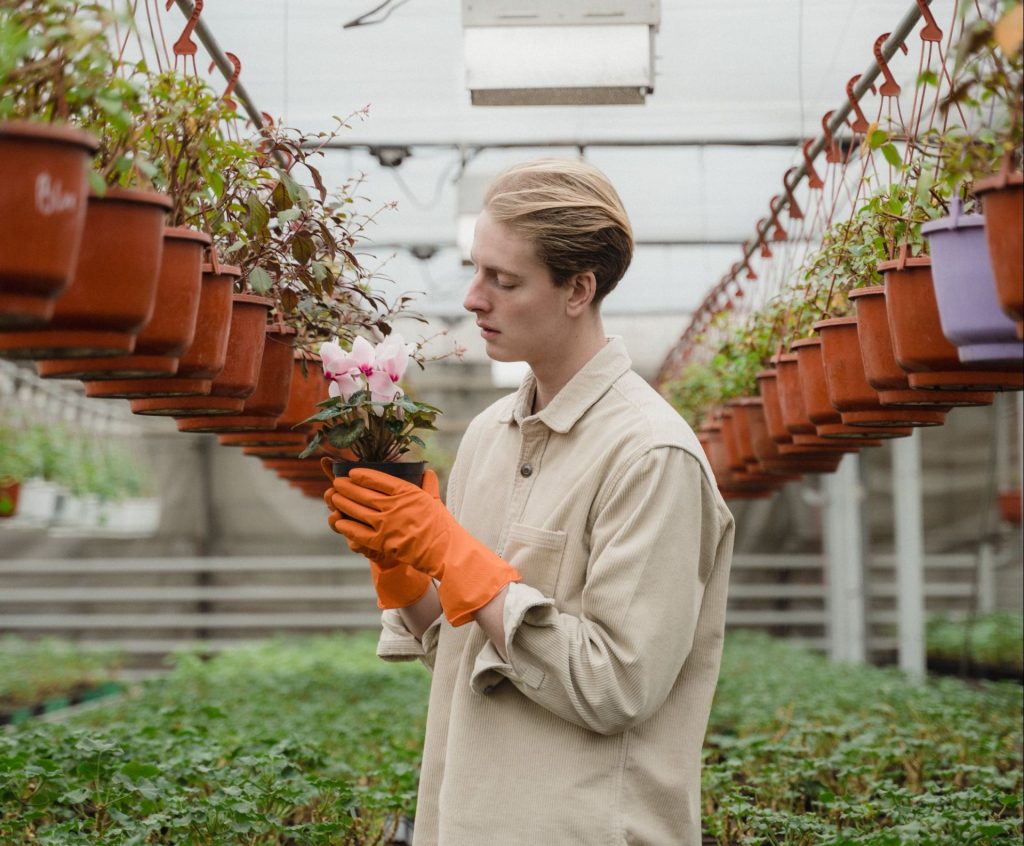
408	471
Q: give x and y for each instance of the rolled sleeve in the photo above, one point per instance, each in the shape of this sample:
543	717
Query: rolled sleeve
612	666
397	643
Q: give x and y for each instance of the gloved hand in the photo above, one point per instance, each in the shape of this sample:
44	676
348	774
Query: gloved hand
398	585
407	525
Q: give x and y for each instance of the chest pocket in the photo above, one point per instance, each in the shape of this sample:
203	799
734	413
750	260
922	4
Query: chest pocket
536	554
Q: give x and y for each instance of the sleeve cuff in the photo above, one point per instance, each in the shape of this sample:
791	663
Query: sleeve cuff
490	669
397	643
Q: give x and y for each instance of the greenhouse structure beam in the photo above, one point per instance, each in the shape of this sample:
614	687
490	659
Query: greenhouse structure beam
844	563
909	530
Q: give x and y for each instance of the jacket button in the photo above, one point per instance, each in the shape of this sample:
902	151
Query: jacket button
526	469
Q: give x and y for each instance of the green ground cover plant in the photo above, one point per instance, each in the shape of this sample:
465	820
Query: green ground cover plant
309	742
315	741
48	671
803	752
993	640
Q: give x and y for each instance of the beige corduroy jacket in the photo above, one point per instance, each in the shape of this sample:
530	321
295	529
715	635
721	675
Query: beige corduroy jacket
591	732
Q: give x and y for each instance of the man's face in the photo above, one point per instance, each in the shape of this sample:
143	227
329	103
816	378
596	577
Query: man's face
520	311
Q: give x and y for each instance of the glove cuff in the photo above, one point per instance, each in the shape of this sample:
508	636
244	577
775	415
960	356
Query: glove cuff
471	580
398	586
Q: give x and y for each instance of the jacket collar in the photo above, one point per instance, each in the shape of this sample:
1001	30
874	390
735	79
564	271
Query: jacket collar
590	383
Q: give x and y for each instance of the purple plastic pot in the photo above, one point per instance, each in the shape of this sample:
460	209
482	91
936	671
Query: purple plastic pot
969	310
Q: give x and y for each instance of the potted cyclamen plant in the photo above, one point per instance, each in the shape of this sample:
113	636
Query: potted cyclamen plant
367	412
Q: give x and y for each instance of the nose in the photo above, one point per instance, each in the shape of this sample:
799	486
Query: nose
475	301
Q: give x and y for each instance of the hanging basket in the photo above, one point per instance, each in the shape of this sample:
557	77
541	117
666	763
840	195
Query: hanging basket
113	286
308	387
965	292
170	329
237	379
828	422
1002	197
44	174
262	410
920	347
800	459
884	373
201	362
847	383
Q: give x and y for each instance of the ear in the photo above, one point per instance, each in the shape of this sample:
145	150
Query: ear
581	290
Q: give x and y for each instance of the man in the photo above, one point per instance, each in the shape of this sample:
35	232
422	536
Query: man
571	599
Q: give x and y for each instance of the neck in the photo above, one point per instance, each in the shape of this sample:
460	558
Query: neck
566	361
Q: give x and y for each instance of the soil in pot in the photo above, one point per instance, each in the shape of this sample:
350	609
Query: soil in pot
847	383
883	372
236	381
170	329
43	171
201	362
965	292
1002	198
113	286
920	347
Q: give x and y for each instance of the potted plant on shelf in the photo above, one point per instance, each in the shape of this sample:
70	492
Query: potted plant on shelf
16	463
367	413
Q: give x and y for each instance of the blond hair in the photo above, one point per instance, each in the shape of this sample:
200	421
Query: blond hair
572	215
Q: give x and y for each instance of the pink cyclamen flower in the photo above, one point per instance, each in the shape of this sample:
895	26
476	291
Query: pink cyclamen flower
343	369
392	358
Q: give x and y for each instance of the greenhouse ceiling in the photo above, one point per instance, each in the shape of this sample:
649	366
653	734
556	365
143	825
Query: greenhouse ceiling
737	84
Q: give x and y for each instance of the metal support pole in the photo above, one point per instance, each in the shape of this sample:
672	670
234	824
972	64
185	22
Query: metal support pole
907	498
844	555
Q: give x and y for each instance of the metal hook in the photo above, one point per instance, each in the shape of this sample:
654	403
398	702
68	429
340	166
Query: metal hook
831	148
746	263
890	88
812	175
931	31
232	80
185	46
794	209
779	234
766	251
861	123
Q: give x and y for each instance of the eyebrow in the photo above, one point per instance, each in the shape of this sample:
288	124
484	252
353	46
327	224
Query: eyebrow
500	270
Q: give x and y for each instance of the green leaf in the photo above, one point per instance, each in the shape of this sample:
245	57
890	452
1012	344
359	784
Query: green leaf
892	155
878	138
260	281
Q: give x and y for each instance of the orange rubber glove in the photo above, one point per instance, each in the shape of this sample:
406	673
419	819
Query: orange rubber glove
398	585
408	525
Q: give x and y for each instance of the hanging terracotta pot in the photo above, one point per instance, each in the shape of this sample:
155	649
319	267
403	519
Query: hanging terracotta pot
881	368
312	488
113	286
204	358
794	411
170	329
44	174
731	485
267	403
847	383
1010	505
799	459
965	292
828	423
753	430
236	380
296	468
921	348
1002	198
308	387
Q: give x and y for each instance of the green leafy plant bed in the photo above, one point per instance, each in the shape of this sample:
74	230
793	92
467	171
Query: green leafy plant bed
803	752
291	742
987	646
40	676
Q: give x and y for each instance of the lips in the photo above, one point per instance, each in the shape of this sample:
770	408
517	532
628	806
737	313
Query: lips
487	331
